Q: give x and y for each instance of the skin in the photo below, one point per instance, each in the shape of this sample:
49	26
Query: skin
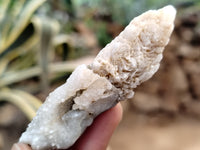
97	136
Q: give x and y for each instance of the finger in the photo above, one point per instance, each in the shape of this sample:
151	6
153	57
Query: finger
20	146
97	136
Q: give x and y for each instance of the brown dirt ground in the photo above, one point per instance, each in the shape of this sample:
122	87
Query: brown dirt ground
139	132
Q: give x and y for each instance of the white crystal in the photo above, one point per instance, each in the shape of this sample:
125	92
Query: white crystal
135	55
130	59
61	125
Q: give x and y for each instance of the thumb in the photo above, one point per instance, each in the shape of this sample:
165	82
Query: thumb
20	146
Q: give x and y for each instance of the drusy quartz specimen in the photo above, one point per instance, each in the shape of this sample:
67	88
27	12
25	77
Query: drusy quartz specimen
130	59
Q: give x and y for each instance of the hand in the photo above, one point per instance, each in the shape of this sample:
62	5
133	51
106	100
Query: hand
96	136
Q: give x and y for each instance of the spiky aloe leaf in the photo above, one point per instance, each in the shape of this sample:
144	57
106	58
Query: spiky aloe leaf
17	32
27	103
14	20
11	77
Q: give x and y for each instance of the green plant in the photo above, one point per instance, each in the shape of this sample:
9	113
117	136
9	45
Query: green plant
27	43
17	37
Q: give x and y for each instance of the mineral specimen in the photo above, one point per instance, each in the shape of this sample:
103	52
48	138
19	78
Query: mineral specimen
130	59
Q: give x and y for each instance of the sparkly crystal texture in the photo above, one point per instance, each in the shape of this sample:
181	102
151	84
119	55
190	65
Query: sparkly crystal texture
130	59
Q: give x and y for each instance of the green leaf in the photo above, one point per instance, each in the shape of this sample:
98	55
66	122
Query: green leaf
3	64
11	77
12	27
24	101
26	40
48	29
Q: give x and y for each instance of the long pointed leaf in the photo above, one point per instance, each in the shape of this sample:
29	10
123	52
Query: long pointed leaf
20	102
32	100
22	21
48	28
67	66
3	65
12	16
3	7
25	42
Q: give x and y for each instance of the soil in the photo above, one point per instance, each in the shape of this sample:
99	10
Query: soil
157	132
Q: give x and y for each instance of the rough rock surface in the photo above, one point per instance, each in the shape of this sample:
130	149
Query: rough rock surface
135	55
130	59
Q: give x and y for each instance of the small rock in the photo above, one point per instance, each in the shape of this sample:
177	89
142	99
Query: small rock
150	86
178	78
196	37
188	52
186	34
170	102
191	67
195	83
192	108
184	97
146	102
174	42
190	20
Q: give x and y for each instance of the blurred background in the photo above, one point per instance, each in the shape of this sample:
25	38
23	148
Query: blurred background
41	43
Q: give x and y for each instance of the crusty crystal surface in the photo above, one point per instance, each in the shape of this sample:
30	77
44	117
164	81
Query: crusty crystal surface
130	59
135	55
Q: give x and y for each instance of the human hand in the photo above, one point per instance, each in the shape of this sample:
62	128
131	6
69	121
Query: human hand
96	136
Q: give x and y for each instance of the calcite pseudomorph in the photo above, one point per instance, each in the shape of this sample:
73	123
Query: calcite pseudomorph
130	59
